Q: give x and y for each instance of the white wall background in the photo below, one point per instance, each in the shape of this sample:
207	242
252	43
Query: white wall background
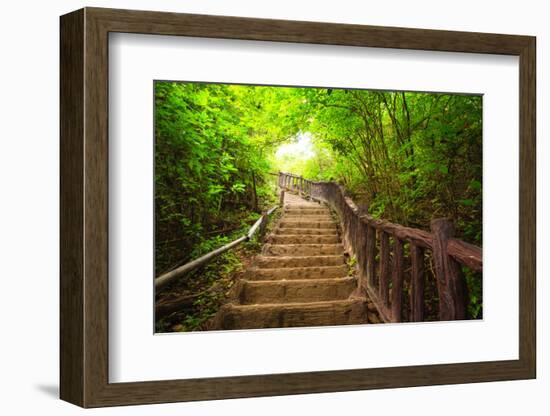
29	169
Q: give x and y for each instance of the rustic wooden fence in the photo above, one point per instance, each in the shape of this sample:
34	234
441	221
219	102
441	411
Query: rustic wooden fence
382	249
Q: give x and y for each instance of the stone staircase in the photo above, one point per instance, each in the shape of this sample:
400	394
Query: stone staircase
300	279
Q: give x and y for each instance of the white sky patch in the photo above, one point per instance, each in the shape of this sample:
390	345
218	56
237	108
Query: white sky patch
301	147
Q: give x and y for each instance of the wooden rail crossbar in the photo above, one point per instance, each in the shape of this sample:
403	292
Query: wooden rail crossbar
383	248
166	278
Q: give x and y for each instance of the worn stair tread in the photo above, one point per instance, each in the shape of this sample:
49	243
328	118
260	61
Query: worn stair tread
305	218
302	223
308	217
324	313
291	273
302	249
298	305
314	211
304	231
299	261
303	239
293	291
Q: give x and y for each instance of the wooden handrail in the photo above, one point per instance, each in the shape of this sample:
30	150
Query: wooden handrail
466	254
360	233
166	278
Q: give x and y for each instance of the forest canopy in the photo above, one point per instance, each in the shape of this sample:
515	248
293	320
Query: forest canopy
404	156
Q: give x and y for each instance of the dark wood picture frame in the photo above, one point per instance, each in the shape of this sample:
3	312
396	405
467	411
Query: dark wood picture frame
84	207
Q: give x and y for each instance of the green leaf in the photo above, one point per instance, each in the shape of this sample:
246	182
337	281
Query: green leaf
238	187
475	184
467	202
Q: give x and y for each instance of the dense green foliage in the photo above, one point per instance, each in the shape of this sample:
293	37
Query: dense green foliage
406	157
211	143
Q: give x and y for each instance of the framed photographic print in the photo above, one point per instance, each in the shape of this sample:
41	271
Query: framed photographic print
255	207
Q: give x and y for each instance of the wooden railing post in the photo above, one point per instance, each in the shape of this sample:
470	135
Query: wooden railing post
397	281
450	282
384	285
371	254
282	198
417	283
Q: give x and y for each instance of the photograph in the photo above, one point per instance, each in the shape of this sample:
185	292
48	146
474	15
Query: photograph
305	206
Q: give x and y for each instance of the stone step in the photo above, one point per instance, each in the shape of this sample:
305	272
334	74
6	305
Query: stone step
310	211
340	312
298	273
305	205
306	217
293	291
269	262
330	225
306	231
303	239
302	249
307	212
